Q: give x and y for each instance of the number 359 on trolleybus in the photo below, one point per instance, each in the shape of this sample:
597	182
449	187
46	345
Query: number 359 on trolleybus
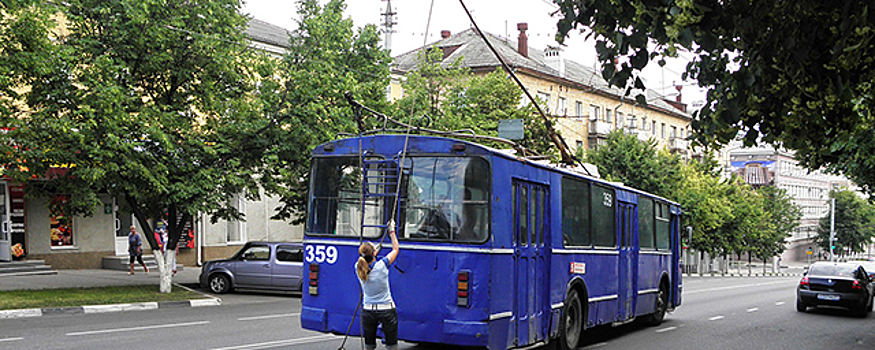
496	250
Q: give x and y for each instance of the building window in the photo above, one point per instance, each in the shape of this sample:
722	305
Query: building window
618	120
633	122
653	127
578	109
594	112
609	115
545	100
662	131
562	107
60	222
674	132
644	123
579	144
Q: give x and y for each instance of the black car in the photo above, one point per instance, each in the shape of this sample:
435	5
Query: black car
845	285
258	265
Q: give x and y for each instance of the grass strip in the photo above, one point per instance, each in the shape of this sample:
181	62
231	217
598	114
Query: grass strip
70	297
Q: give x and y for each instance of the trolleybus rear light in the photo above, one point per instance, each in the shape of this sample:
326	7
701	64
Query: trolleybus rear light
462	288
314	279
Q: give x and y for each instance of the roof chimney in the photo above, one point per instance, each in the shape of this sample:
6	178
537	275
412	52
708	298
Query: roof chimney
445	34
553	58
523	42
679	88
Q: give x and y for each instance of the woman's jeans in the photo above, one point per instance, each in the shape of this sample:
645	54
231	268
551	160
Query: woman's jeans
389	320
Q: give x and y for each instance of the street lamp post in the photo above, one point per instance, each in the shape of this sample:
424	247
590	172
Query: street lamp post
832	228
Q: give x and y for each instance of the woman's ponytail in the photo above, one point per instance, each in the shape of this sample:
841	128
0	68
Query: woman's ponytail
366	255
362	269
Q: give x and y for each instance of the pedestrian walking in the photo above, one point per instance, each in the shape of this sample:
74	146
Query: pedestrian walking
378	307
135	250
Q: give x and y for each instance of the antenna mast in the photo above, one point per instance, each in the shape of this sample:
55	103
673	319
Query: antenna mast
388	23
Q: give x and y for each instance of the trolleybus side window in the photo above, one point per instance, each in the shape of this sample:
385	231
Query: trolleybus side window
646	223
575	213
538	232
662	226
524	216
603	225
447	198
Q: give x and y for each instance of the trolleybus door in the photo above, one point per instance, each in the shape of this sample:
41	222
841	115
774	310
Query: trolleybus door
628	262
530	263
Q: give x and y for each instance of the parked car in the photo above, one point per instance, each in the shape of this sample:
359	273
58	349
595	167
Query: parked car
845	285
257	265
869	266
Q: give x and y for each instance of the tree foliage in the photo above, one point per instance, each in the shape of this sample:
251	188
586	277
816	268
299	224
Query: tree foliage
854	223
795	73
148	101
639	164
727	215
305	96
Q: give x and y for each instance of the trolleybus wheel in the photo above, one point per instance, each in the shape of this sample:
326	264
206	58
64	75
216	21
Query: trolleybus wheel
658	315
571	325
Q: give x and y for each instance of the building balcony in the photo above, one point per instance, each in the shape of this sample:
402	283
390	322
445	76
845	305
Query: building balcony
678	144
600	128
641	134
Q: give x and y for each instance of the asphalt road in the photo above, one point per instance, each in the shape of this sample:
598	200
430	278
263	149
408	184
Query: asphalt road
717	313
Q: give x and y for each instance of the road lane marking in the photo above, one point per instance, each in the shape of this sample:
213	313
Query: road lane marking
274	344
780	303
715	318
265	317
686	292
666	329
142	328
11	339
753	309
596	345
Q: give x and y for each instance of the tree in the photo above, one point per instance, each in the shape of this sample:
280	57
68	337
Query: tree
149	101
306	96
429	85
794	73
854	223
782	218
639	164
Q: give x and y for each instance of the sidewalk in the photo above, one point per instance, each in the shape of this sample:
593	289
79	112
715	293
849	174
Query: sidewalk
101	278
95	278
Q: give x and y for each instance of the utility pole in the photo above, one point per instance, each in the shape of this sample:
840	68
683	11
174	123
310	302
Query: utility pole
388	24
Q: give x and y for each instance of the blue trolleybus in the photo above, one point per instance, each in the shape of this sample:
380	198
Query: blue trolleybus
497	250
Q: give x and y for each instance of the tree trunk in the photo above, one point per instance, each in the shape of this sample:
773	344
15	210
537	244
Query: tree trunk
166	282
701	266
749	267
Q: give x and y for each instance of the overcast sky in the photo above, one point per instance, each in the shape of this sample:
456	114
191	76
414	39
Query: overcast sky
498	17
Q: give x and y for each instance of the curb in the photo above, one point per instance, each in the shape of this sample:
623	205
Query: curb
97	309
